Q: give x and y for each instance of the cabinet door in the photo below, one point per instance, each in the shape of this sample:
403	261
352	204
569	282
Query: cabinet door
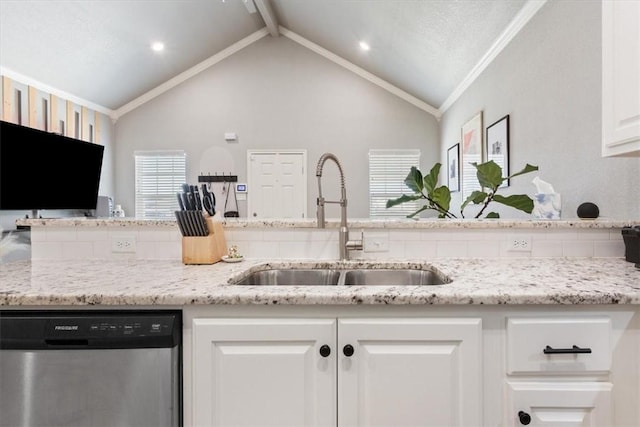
410	372
620	82
264	372
559	404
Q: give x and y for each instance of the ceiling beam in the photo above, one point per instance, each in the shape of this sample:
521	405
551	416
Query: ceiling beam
268	16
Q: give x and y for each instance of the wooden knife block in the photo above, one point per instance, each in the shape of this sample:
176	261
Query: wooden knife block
205	249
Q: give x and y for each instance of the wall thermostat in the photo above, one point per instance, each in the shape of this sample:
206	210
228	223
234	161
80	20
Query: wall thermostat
241	188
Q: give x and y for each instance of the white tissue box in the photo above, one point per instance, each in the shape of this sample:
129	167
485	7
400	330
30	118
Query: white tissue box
546	206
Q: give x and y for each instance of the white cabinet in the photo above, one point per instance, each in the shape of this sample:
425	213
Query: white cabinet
558	371
559	404
620	78
278	372
263	372
410	372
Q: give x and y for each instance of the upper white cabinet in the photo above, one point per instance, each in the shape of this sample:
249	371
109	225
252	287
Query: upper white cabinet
620	78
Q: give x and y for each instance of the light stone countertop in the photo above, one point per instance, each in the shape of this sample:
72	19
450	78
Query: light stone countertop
354	223
474	281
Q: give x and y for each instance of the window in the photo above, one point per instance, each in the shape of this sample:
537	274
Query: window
159	176
387	171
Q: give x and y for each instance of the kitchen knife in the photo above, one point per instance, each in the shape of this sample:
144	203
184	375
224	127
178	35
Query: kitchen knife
191	203
192	225
180	222
180	202
196	223
185	223
196	197
203	224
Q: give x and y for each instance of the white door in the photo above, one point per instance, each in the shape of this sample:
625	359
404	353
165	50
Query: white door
264	372
410	372
559	404
277	184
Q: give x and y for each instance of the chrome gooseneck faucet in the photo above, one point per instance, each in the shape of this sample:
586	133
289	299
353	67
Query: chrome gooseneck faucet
346	245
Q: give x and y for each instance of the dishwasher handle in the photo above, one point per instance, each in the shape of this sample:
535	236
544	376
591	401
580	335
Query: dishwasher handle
61	342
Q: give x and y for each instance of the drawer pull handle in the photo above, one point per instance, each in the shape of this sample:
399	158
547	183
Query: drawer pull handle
573	350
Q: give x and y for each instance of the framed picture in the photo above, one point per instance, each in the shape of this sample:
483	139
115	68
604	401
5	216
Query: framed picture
453	168
470	152
497	145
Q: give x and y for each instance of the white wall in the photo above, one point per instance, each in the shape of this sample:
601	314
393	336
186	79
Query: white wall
275	94
548	79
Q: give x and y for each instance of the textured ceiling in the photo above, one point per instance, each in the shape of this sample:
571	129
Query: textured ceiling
425	47
98	50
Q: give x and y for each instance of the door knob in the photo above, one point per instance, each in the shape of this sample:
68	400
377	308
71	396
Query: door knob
325	351
348	350
525	419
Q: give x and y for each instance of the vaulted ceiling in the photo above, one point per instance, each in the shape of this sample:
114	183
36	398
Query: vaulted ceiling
99	50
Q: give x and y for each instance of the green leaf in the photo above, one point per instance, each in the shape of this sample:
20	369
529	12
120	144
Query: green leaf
492	215
528	168
402	199
476	197
431	180
518	201
489	174
414	180
442	196
424	208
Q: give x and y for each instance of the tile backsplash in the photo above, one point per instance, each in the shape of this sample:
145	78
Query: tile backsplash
150	242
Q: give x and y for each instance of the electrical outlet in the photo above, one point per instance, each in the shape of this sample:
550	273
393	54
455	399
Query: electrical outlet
519	243
123	244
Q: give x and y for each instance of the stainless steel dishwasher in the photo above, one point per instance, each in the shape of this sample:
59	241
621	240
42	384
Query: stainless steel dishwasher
90	368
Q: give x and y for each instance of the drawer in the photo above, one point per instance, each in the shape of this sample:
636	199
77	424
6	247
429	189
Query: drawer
527	338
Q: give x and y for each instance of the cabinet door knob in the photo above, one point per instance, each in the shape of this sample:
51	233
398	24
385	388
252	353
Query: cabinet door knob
325	351
525	419
348	350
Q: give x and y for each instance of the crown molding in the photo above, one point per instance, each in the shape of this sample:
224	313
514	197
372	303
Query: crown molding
361	72
191	72
26	80
519	21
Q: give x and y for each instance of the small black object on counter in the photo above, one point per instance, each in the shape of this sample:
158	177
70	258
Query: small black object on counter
631	236
588	210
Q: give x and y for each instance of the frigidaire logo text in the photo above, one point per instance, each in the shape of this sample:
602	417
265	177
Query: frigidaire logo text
66	327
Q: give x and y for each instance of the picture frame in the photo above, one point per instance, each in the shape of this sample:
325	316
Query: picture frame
453	168
470	152
497	145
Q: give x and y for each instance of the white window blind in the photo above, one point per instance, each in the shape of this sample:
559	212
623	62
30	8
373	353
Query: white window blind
387	171
159	176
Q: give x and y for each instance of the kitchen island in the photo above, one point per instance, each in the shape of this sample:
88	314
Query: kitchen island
338	355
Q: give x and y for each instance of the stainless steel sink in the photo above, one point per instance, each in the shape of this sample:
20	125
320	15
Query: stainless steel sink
346	277
392	277
292	277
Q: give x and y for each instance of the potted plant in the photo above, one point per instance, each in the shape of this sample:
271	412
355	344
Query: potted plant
489	176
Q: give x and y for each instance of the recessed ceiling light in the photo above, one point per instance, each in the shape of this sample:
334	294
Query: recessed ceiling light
364	46
157	46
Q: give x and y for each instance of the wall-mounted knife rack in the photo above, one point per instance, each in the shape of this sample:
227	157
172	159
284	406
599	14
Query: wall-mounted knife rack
218	178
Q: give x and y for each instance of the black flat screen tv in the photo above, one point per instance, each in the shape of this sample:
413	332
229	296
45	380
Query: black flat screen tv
42	170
